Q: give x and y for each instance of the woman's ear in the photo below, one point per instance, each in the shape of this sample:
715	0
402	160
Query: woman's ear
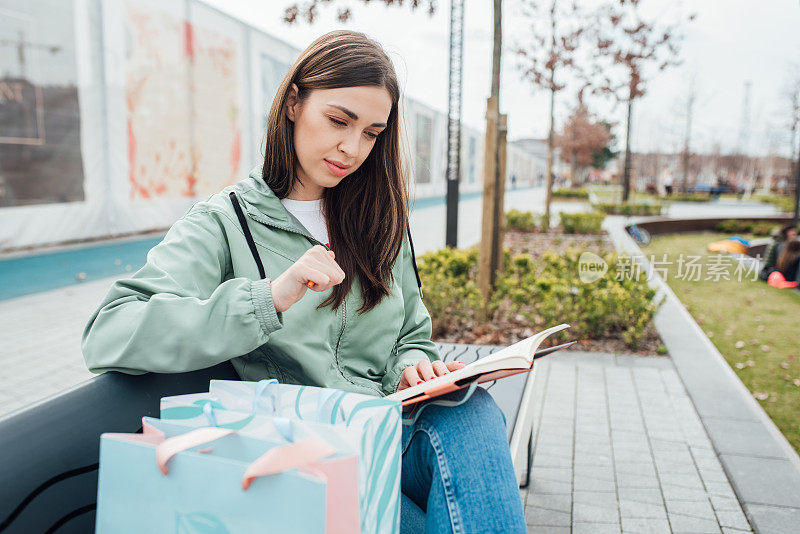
292	102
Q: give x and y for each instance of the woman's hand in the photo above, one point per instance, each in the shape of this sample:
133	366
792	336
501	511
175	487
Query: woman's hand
316	265
424	371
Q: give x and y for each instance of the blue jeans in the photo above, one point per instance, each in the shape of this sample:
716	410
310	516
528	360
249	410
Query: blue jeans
457	474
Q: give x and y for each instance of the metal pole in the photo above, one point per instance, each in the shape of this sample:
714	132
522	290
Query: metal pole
454	120
626	176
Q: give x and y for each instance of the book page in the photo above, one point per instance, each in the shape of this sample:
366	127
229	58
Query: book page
517	356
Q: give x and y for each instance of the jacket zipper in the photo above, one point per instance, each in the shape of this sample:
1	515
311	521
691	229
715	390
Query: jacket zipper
344	302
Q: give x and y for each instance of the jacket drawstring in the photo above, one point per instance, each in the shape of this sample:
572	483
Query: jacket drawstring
414	261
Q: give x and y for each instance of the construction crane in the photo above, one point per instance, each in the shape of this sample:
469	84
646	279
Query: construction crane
21	44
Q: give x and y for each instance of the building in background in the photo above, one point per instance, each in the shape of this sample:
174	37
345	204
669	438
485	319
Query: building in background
116	116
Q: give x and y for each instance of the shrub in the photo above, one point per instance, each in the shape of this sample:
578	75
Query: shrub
783	203
545	292
523	221
578	192
582	223
734	226
550	291
687	197
610	208
449	278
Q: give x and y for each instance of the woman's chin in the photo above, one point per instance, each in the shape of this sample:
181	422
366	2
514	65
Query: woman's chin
330	180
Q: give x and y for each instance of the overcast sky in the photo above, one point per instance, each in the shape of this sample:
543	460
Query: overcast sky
730	43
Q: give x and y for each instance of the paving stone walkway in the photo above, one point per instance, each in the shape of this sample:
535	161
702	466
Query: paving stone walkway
619	447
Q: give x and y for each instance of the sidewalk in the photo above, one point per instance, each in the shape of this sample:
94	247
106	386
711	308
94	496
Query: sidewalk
619	448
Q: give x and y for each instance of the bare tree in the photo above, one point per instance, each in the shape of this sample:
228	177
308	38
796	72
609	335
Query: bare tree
631	43
792	98
309	9
554	37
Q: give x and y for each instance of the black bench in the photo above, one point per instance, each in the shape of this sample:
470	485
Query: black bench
50	450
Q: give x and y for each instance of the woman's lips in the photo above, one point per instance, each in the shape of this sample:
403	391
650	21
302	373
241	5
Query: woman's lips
338	171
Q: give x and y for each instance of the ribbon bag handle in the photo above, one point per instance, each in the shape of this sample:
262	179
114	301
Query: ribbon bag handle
282	424
172	446
275	460
285	457
270	385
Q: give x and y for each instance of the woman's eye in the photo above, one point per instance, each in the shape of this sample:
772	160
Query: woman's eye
340	123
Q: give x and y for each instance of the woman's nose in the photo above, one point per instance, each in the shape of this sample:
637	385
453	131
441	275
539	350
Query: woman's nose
349	145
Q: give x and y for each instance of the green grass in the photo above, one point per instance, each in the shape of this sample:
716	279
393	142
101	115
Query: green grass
753	325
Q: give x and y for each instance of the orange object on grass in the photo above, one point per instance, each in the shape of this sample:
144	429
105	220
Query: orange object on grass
727	245
776	279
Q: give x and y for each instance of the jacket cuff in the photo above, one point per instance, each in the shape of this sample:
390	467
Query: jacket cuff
268	317
409	359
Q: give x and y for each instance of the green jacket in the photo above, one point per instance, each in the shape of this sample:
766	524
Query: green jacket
198	301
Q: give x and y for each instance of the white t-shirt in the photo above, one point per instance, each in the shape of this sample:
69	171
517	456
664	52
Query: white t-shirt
309	213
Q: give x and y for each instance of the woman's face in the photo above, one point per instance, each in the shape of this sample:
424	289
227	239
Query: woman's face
334	132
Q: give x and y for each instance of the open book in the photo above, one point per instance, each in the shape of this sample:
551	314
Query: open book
514	359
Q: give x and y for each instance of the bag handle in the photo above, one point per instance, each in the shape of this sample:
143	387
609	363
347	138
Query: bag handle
172	446
275	460
285	457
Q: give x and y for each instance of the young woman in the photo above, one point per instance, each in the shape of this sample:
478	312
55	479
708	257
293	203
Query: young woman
789	261
327	211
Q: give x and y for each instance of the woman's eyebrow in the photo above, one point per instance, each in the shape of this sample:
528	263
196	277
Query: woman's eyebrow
355	117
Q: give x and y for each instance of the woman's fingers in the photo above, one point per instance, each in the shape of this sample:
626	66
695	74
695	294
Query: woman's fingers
455	366
324	262
439	368
410	377
425	370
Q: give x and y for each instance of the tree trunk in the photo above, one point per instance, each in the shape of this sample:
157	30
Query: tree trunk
626	173
549	194
488	259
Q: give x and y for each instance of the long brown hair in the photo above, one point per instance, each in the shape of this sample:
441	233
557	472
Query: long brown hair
367	212
790	251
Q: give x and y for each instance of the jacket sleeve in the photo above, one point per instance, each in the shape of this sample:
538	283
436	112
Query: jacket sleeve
176	314
414	341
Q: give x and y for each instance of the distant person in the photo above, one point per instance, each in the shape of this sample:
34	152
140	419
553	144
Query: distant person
668	185
513	181
717	191
789	260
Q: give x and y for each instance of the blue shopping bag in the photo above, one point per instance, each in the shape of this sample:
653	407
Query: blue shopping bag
370	426
182	479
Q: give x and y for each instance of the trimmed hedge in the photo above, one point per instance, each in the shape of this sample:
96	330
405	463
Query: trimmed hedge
522	221
783	203
566	192
582	223
687	197
610	208
759	228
